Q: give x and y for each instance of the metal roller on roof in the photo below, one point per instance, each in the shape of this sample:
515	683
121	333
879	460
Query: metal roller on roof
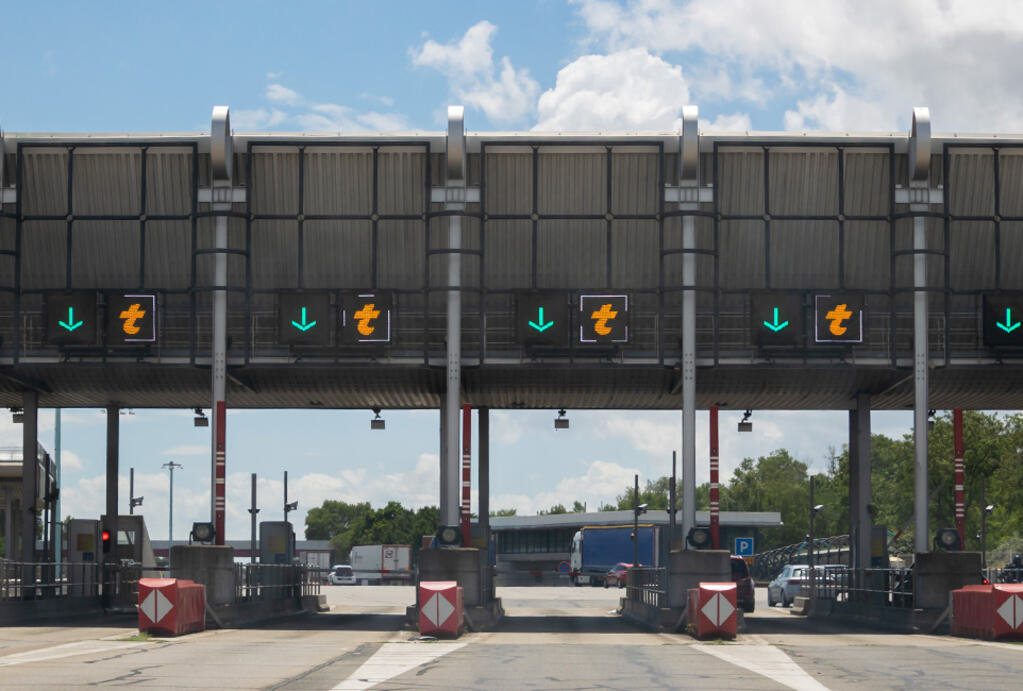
689	145
221	148
920	145
456	144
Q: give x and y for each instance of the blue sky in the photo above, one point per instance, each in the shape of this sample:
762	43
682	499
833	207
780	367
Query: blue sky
386	66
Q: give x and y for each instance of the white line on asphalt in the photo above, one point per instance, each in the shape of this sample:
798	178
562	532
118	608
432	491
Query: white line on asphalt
66	650
765	660
393	659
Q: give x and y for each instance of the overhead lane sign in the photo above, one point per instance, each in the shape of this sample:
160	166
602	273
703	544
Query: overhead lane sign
776	319
71	318
304	318
1003	320
131	318
542	319
838	318
366	318
603	318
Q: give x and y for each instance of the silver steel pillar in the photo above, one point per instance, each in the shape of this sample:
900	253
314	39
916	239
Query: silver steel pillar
221	155
860	520
483	500
113	450
689	157
29	488
451	460
920	161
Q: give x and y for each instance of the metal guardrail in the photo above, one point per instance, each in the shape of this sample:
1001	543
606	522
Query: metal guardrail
65	579
647	585
888	587
275	581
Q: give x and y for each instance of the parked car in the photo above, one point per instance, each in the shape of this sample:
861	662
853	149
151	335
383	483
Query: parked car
341	574
617	575
744	592
785	586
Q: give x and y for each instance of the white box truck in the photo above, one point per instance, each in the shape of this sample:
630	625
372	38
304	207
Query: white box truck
382	564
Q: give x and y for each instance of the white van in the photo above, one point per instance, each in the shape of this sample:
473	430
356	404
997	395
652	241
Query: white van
341	574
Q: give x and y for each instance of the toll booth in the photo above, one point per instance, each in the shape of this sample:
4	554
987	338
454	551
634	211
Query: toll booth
133	543
276	542
84	553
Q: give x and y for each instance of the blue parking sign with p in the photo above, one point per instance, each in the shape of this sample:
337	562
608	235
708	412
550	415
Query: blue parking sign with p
744	547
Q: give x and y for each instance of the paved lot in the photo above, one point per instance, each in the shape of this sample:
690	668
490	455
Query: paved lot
553	638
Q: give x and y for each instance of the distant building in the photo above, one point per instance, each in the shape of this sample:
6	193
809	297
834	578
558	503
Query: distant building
529	548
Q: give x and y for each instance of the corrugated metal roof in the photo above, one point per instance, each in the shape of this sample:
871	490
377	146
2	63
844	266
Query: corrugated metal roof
658	517
358	218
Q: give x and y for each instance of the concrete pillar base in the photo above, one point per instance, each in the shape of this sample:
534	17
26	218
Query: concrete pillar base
469	568
936	574
686	569
211	565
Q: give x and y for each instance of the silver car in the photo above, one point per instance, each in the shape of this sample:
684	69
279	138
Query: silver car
786	585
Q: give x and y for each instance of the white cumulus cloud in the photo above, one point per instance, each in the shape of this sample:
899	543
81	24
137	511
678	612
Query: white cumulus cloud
627	90
504	94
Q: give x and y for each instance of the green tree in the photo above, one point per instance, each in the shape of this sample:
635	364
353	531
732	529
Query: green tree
578	507
556	509
332	518
655	494
776	482
502	512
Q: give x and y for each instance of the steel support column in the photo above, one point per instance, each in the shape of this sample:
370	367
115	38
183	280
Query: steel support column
483	500
113	450
689	177
221	155
466	508
920	154
860	520
452	403
960	476
29	489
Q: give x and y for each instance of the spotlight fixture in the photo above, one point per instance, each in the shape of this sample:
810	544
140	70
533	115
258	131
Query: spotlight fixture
745	425
817	509
136	501
377	422
449	536
200	419
17	416
699	537
930	419
561	422
290	506
203	533
947	538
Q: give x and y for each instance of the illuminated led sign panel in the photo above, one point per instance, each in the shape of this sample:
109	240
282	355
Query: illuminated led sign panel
603	319
542	319
71	318
776	319
838	318
131	318
304	318
366	318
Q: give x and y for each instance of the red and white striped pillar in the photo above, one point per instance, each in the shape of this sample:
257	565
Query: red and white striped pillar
219	470
960	476
466	471
714	537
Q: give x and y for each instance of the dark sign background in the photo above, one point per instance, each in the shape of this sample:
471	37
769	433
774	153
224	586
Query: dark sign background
995	307
790	309
555	309
382	325
118	303
853	324
317	309
77	311
619	325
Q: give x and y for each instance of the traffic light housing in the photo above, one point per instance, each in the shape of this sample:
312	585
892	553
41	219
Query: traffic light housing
105	538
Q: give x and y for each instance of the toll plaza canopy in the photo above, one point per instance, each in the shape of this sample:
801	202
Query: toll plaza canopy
573	255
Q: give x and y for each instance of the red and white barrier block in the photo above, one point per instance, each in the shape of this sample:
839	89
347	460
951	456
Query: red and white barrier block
171	605
440	608
988	611
712	610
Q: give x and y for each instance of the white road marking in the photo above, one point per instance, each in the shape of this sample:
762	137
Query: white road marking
66	650
767	661
393	659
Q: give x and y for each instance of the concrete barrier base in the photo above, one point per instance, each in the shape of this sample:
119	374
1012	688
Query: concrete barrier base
478	618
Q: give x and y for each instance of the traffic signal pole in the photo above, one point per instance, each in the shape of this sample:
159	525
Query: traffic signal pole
714	529
960	477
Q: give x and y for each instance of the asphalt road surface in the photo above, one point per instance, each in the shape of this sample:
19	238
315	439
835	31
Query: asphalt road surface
552	638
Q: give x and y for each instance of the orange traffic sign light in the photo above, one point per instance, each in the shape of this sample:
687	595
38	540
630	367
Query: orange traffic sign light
838	318
366	318
603	318
131	318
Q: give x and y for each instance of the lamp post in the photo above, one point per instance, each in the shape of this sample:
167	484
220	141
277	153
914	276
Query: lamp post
814	510
987	511
171	466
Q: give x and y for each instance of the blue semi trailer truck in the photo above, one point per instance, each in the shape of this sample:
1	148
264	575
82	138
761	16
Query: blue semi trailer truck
597	548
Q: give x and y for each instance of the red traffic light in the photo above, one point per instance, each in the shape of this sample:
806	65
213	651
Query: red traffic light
106	535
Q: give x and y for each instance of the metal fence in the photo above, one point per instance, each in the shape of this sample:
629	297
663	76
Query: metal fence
887	587
648	585
827	550
275	581
44	580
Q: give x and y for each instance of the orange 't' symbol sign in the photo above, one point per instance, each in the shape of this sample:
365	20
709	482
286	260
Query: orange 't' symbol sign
130	315
603	315
836	317
364	317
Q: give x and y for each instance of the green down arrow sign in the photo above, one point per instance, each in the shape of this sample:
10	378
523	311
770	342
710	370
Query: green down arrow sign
539	324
